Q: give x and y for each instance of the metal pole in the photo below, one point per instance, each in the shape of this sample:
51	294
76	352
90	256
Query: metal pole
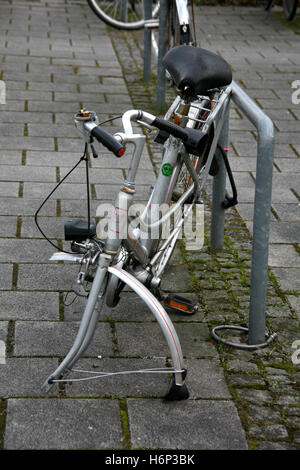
123	12
262	211
147	41
162	49
218	191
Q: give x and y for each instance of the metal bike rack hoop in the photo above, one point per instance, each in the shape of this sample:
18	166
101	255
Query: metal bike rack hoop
261	220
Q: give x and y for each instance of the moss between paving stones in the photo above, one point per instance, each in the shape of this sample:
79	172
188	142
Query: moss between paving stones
221	281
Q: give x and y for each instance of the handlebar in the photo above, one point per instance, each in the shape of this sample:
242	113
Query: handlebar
108	140
150	119
192	139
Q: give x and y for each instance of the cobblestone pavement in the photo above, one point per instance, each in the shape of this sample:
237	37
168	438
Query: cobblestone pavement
56	57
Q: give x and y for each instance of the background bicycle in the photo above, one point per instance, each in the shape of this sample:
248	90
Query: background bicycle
289	7
130	15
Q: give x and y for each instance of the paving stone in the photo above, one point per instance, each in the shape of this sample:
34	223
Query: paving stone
177	280
8	130
49	277
29	306
52	130
6	271
56	338
53	159
73	208
142	340
26	117
23	173
20	250
257	397
295	304
10	157
12	105
263	414
79	424
265	445
278	311
8	226
288	212
275	431
21	377
52	107
240	365
289	279
278	194
28	143
282	233
3	330
20	206
205	379
283	255
115	176
185	425
65	191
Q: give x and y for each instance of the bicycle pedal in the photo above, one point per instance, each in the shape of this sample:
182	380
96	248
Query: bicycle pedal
181	304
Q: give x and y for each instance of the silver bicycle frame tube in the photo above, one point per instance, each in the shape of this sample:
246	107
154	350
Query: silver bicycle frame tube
183	12
143	248
160	191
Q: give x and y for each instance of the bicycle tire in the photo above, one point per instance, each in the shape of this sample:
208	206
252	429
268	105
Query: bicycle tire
129	16
289	9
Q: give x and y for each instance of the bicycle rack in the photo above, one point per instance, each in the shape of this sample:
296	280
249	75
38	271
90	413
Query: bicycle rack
257	336
162	48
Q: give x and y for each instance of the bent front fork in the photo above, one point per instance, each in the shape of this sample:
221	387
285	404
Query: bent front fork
87	325
177	389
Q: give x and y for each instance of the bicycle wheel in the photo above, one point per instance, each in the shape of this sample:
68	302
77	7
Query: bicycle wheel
290	8
122	14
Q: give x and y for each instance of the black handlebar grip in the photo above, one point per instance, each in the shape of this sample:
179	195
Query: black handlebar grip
108	140
171	128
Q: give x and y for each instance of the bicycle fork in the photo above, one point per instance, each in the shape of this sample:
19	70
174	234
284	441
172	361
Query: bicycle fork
177	388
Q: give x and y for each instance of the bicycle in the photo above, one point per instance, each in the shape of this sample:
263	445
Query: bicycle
123	14
129	15
127	255
289	7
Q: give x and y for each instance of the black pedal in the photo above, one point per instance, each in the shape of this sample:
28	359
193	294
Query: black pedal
180	304
78	230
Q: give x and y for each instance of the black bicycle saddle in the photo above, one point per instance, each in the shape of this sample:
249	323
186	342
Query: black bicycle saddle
196	71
